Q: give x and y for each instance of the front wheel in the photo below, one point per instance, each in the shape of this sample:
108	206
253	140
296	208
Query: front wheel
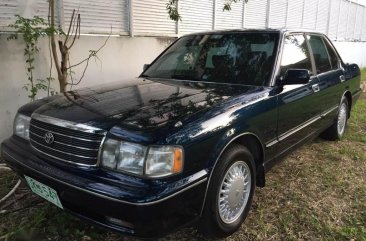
337	130
230	193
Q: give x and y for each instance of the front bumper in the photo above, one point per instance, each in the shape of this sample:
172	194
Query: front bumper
157	208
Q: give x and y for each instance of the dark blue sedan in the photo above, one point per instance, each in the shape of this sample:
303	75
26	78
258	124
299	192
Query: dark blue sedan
191	138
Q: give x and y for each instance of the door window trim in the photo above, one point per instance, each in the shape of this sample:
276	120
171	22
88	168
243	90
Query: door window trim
278	66
313	66
326	49
339	60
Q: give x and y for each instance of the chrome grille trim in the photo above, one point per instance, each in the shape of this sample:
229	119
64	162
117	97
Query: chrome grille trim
99	158
73	143
63	160
67	124
78	138
86	157
78	147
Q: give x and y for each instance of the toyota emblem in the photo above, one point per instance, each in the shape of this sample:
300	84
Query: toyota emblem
48	138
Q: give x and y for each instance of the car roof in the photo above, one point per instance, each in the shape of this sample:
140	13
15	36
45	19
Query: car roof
264	30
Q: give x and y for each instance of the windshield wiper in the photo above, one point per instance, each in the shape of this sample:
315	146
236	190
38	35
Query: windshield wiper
183	77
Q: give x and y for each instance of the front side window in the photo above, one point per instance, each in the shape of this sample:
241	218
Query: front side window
296	54
320	53
235	58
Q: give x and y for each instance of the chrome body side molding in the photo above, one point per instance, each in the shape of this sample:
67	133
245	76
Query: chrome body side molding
300	127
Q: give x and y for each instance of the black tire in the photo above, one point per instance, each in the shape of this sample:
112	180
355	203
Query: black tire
211	224
333	133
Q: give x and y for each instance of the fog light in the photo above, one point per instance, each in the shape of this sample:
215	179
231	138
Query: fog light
120	222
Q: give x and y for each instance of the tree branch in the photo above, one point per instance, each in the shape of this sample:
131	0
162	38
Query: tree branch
82	76
93	54
70	25
77	32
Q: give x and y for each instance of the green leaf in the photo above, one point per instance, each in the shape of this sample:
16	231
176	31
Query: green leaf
173	13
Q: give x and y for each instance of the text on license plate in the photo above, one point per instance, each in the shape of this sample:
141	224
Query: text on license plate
44	191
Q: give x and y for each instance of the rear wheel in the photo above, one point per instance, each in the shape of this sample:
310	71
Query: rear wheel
337	130
230	193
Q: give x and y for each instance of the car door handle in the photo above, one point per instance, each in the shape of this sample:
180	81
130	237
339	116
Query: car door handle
315	87
342	78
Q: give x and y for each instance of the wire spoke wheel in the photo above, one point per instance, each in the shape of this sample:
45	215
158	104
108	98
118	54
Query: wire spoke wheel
234	192
342	119
230	192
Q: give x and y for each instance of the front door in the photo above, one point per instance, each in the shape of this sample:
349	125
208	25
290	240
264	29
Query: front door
297	107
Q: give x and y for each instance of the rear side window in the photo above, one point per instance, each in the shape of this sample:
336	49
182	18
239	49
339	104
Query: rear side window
332	54
320	53
295	54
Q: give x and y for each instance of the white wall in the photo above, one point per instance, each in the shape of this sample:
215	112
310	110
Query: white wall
352	52
120	59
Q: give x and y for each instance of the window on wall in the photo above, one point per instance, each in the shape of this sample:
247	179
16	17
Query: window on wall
251	17
196	15
228	19
26	9
296	54
310	14
333	18
99	17
7	11
340	19
320	54
278	14
96	15
150	16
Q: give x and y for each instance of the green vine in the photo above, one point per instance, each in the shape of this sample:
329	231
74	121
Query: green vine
31	30
172	8
228	3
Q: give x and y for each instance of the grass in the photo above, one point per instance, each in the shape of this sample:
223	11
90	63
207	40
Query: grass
363	74
316	193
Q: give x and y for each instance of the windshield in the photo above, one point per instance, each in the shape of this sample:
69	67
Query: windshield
235	58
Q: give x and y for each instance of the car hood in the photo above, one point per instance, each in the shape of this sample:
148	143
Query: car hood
141	103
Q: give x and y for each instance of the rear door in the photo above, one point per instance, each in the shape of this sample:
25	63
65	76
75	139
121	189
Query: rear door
329	74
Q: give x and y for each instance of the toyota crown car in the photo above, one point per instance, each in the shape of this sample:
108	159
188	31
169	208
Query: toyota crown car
189	140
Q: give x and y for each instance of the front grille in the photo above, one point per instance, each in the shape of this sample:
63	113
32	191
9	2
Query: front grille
68	144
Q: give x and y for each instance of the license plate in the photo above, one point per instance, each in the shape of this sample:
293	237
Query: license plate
44	191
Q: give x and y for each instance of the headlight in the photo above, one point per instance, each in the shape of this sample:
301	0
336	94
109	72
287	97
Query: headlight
109	153
155	161
131	157
21	126
164	161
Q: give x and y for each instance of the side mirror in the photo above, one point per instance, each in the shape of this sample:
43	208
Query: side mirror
296	76
352	70
146	66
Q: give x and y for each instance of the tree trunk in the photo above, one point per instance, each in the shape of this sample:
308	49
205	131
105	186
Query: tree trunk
61	76
64	57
